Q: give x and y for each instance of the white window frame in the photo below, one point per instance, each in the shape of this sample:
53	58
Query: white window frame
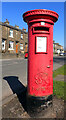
21	46
21	36
3	43
12	45
58	51
11	33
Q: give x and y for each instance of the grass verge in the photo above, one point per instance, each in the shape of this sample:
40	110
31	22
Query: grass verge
59	89
60	71
59	86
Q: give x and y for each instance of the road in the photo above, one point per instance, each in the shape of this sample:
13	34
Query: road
14	74
58	61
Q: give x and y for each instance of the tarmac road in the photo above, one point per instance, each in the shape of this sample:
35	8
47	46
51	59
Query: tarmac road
14	74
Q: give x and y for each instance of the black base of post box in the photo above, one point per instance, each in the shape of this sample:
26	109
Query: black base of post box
35	105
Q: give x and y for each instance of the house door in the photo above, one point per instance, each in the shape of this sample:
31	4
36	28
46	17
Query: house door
16	46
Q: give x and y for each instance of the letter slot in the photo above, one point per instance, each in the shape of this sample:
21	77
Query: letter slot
40	29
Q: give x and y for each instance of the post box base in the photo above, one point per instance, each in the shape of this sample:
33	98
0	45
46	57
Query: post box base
35	105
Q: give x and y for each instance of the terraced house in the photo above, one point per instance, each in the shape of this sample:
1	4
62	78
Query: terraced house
13	39
57	48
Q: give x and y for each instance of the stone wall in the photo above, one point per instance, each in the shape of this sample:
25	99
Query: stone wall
5	35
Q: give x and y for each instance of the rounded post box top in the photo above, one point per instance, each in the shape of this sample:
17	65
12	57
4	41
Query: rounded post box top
40	14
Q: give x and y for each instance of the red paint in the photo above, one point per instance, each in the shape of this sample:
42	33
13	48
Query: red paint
26	55
40	64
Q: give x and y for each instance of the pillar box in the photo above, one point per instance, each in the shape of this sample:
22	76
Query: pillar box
40	52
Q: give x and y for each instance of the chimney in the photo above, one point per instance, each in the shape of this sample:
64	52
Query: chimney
7	22
24	29
17	26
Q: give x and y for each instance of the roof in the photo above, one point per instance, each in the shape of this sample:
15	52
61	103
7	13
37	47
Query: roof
7	25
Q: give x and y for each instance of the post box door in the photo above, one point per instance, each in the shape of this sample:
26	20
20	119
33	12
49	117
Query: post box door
40	60
42	83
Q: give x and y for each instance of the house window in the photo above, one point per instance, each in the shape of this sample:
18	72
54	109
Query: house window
11	33
16	33
3	44
21	46
58	51
11	45
21	36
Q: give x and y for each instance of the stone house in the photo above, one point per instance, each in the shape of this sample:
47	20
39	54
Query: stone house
15	40
12	38
57	48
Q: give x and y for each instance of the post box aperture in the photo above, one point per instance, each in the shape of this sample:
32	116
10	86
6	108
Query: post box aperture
40	51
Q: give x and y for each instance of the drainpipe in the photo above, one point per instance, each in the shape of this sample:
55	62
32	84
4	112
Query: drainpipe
7	41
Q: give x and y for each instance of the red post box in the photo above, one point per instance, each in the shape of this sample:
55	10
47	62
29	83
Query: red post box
40	52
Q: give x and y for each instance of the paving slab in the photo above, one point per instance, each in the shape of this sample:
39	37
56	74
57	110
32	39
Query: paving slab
60	78
14	109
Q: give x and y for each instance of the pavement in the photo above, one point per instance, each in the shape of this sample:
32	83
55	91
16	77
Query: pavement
14	70
11	55
16	109
60	78
17	106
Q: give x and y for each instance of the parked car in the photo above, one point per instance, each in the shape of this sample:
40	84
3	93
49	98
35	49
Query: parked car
26	55
61	54
64	54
